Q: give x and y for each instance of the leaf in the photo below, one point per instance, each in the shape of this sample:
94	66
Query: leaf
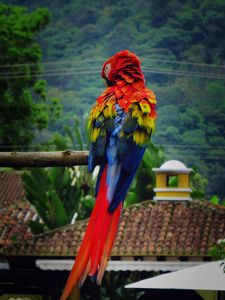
66	180
215	200
33	189
44	214
70	135
56	175
131	198
36	227
86	131
147	159
60	142
78	137
58	212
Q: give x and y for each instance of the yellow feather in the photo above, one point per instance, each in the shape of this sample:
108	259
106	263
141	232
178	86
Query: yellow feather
106	112
152	124
109	111
95	134
136	113
140	138
145	107
143	121
152	100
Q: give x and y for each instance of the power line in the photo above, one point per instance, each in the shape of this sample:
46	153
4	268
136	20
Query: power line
48	72
184	73
98	59
205	158
49	63
185	63
191	146
88	69
94	72
187	147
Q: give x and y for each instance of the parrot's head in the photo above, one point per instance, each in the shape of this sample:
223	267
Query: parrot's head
124	66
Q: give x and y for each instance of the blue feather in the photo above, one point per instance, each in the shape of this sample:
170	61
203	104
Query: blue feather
91	158
132	157
123	185
121	155
129	165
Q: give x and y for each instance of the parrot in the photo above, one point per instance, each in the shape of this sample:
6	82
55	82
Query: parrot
121	123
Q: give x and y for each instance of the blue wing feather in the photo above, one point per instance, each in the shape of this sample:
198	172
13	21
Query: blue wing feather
121	155
129	161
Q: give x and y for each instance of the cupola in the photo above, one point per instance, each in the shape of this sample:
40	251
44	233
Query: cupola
173	182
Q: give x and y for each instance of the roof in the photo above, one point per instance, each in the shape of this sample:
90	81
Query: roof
146	229
11	188
14	223
173	166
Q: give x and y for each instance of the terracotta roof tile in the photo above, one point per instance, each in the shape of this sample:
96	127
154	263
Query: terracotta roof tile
13	224
145	229
11	188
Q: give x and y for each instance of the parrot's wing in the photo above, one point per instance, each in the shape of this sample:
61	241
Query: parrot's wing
119	137
133	139
101	124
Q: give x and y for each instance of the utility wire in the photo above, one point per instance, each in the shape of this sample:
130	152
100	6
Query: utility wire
94	72
98	60
157	145
57	62
185	63
94	69
190	146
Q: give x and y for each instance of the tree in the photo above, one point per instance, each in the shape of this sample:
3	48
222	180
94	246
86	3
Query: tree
23	104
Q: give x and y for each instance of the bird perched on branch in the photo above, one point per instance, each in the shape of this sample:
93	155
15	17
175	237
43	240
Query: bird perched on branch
121	123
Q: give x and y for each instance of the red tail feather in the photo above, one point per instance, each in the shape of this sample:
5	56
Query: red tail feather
94	252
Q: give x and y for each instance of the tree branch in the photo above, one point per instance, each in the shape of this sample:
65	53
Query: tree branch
43	159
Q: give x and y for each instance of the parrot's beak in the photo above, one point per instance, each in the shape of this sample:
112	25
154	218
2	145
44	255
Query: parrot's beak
105	82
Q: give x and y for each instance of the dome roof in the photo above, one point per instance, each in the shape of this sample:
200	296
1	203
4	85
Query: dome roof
174	166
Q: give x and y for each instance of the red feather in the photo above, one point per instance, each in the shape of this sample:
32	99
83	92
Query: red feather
96	246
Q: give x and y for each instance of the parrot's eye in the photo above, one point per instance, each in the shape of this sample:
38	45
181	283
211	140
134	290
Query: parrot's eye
107	70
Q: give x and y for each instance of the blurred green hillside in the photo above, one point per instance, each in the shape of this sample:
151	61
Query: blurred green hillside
182	47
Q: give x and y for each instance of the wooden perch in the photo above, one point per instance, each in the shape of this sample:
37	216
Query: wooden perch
43	159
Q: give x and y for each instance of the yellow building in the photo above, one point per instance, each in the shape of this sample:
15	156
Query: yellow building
173	182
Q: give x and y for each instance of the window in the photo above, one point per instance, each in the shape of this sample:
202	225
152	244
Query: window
172	181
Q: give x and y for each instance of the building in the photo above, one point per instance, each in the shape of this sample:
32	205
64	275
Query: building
152	236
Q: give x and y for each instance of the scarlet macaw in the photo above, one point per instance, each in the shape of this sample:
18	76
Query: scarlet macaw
121	124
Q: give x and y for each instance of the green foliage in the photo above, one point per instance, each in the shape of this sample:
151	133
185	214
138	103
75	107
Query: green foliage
172	181
198	185
23	100
216	200
218	252
76	135
58	195
54	194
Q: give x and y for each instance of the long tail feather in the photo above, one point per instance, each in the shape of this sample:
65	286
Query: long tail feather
94	252
109	243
